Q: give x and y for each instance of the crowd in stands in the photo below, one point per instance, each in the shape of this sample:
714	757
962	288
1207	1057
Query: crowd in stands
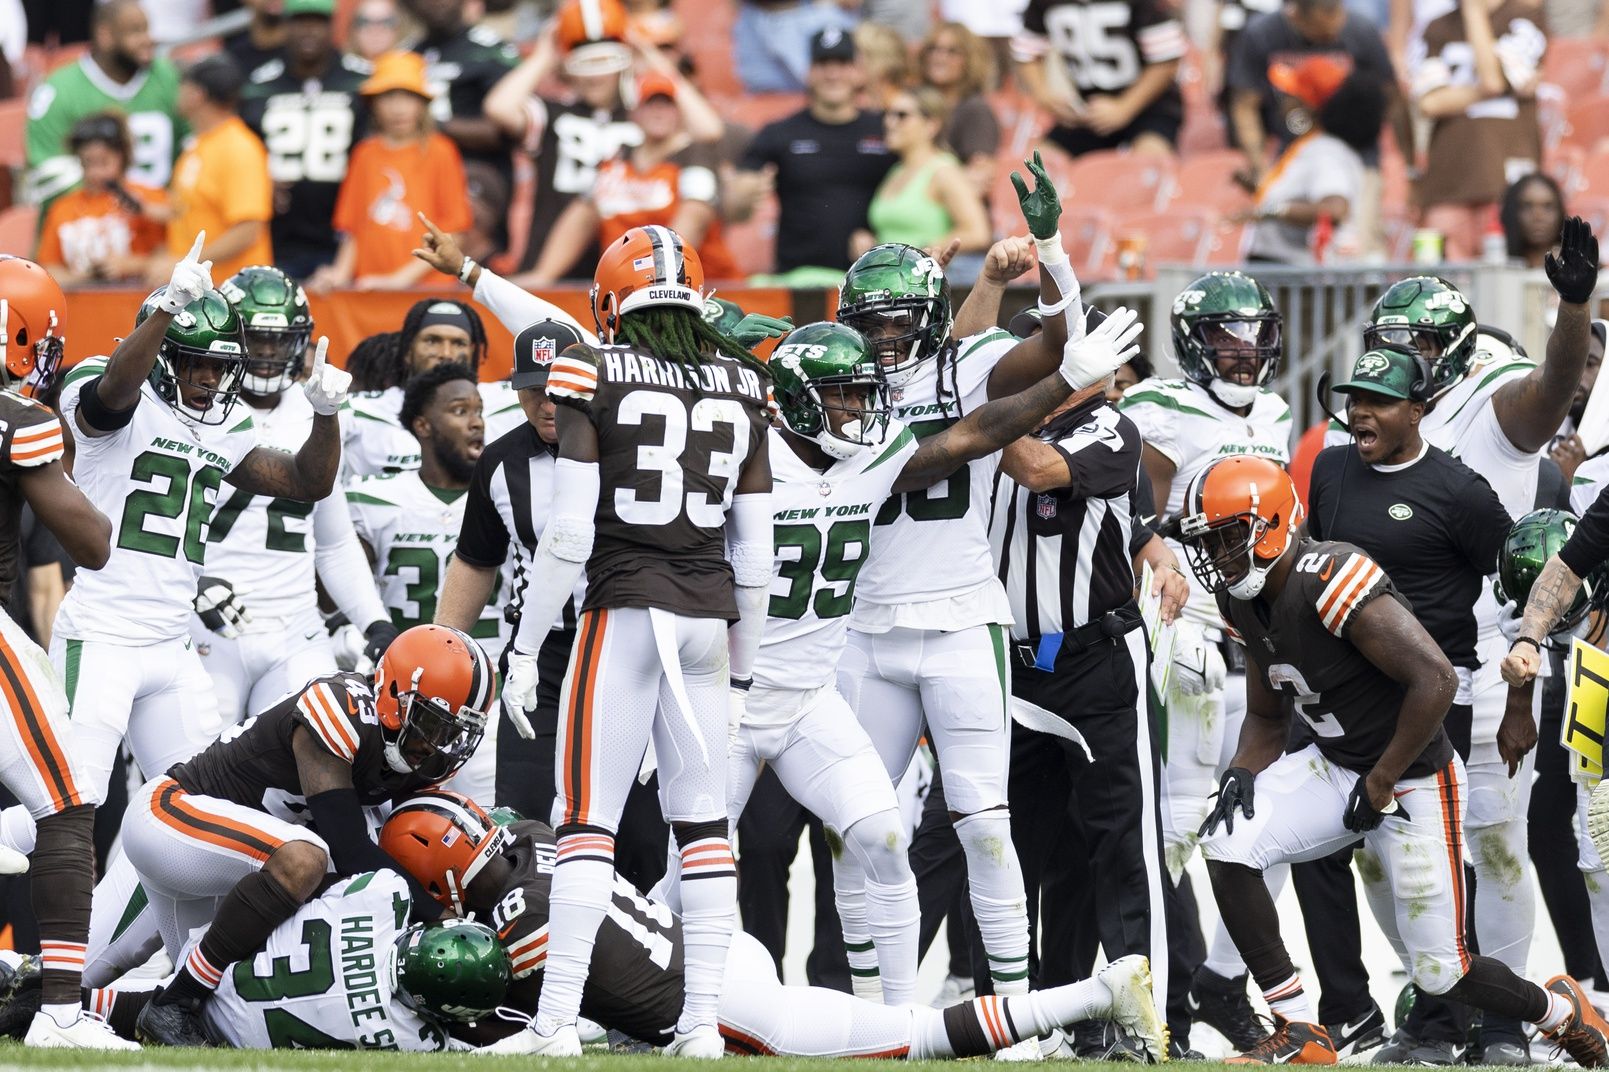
785	136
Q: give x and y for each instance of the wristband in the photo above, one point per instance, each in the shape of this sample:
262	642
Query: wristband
1526	640
467	267
742	684
1050	250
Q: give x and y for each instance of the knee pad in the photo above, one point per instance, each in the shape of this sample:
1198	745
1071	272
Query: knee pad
881	844
1499	853
985	836
1435	976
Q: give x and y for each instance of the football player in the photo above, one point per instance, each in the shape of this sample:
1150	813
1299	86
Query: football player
263	552
662	491
1326	632
219	841
926	639
504	874
37	763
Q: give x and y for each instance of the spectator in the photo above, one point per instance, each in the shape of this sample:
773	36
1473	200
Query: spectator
669	179
1319	174
654	19
1123	62
886	61
1476	83
825	162
375	30
926	199
121	72
1231	17
488	209
303	104
406	167
1272	44
1532	216
262	38
995	22
104	230
220	184
771	41
960	64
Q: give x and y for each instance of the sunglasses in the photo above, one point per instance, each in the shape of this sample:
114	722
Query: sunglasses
366	20
899	114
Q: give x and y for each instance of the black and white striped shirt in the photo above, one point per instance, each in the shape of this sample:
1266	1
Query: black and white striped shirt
1064	555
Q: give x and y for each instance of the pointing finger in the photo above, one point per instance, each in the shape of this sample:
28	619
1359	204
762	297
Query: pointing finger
195	250
432	228
321	353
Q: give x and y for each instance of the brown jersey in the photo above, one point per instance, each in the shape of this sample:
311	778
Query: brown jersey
635	982
30	437
1302	646
671	443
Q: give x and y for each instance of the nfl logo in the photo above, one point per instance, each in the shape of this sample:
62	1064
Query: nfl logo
1047	507
543	351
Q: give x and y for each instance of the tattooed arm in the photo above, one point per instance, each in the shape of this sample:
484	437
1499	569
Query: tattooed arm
1551	596
308	475
985	430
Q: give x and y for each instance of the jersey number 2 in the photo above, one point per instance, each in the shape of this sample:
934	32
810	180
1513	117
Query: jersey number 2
664	459
1289	681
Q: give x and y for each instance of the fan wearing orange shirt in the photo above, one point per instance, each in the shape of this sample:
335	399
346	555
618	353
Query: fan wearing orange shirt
404	169
668	180
105	229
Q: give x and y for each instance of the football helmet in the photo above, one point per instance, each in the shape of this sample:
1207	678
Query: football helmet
1429	315
273	310
897	297
811	369
432	691
1227	315
450	971
1535	538
444	839
1241	515
592	37
207	332
644	267
31	310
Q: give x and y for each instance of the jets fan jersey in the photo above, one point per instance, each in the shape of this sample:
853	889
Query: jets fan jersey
1591	476
822	524
374	441
156	479
323	981
413	530
30	438
947	523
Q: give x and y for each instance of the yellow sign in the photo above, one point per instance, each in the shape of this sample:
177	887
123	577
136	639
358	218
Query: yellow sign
1586	709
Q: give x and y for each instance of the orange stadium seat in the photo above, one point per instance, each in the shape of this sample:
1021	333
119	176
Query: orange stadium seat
1587	122
1203	131
1182	237
13	127
1593	178
1119	181
1206	180
17	227
1577	65
1226	245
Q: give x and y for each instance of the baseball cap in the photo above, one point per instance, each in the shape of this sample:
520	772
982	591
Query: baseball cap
1383	371
310	7
397	70
653	85
535	349
832	44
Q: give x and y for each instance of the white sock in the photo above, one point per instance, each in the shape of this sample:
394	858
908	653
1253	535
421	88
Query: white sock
709	915
895	920
984	1025
583	882
1558	1014
998	900
1289	1000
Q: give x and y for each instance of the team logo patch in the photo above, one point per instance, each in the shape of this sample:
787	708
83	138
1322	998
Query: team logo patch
543	351
1400	511
1046	507
1372	365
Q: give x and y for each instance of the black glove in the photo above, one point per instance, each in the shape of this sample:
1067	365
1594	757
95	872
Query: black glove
379	636
1234	790
1360	816
1574	272
218	609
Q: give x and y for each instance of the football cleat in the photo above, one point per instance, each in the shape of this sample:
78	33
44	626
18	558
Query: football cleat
19	996
1397	1048
1585	1035
1222	1005
1134	1004
1359	1035
1026	1050
85	1033
564	1042
1435	1053
1506	1051
1292	1043
699	1044
176	1023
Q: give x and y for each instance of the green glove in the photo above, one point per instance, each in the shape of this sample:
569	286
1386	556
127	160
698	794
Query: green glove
722	315
1040	206
755	328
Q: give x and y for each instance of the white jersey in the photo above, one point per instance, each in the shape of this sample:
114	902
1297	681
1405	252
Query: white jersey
1591	477
1192	429
157	480
323	981
413	531
930	565
373	440
822	526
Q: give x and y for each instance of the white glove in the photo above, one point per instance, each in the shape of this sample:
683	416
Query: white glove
737	706
219	609
519	692
1198	665
191	278
326	386
1509	616
348	642
1095	355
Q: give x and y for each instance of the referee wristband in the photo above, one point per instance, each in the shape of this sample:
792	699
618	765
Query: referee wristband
468	266
1526	640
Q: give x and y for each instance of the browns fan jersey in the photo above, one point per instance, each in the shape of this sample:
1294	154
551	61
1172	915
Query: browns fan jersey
1302	647
255	767
1105	44
671	443
30	438
635	984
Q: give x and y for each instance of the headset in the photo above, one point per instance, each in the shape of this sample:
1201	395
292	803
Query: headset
1421	390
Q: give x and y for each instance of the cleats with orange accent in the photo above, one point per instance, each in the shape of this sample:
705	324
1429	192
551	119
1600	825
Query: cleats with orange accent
1292	1043
1585	1035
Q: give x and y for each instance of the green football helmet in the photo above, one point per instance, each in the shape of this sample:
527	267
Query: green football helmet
812	368
1533	540
1432	316
453	970
897	297
204	337
273	308
1224	315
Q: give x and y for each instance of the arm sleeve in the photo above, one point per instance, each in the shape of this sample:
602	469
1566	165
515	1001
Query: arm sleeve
517	308
342	566
483	538
753	554
1159	33
1484	524
563	552
1588	547
338	818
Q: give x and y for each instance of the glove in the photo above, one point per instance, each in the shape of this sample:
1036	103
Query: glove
519	692
1234	791
218	608
1097	354
756	328
377	638
1041	207
1574	272
1509	616
1360	816
326	386
191	278
348	644
1198	664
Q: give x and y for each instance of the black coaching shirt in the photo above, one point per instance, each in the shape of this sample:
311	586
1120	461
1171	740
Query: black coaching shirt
1434	525
1064	555
1588	546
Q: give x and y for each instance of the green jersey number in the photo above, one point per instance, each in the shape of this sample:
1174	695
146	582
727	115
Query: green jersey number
839	558
421	591
283	983
279	538
182	495
944	501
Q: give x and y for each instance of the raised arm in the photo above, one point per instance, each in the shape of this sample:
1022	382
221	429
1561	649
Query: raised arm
1033	359
505	103
309	474
516	307
1007	260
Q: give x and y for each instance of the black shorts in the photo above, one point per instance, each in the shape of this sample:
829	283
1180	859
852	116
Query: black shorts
1076	141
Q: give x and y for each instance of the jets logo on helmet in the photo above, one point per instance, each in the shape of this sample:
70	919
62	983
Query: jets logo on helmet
201	358
1226	336
828	389
1429	315
278	326
897	297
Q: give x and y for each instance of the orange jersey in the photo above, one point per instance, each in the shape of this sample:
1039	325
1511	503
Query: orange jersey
221	180
626	197
83	229
386	186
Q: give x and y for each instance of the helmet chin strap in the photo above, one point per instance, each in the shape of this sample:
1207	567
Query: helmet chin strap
453	891
841	448
1251	584
1233	394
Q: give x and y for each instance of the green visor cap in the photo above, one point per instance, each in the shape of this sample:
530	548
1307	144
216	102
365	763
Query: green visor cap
1383	372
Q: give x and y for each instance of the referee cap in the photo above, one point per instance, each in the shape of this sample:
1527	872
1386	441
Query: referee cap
535	350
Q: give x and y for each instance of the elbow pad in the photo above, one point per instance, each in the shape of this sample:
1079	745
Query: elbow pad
749	541
569	531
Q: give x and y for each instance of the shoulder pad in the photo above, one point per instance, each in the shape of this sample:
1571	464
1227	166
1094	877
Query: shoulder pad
1347	578
574	375
973	343
333	707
